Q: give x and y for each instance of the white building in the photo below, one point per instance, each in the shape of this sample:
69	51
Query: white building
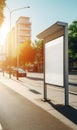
23	29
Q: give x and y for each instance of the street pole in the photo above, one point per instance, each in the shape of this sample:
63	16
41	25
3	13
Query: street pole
10	47
9	44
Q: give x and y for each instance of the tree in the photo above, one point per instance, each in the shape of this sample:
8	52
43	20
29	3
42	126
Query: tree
39	57
2	5
27	52
72	43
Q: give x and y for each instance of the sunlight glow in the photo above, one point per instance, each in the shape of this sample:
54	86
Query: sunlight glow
3	33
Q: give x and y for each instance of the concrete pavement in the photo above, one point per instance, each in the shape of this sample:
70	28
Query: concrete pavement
19	113
34	92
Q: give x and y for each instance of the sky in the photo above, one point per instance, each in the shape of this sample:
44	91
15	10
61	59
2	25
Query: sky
42	13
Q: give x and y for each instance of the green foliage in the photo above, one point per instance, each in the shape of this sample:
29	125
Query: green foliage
39	57
2	5
72	42
39	49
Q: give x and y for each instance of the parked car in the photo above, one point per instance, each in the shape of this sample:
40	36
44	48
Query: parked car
18	71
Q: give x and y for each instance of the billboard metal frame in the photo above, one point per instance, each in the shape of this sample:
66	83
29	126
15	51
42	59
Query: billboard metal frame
56	30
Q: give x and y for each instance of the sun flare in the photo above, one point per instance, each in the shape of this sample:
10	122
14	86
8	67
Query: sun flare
3	33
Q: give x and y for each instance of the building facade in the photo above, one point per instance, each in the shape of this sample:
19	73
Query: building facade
23	29
19	34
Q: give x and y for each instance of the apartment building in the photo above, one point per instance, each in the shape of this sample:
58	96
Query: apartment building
19	34
23	29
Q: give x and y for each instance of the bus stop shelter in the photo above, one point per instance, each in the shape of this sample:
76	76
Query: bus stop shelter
56	57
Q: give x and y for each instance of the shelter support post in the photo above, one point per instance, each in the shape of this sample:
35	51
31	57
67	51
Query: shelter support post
66	66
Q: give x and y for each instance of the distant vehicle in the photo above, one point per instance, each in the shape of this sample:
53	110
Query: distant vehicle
18	71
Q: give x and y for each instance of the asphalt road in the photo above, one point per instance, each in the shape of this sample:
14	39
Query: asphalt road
72	80
73	83
18	113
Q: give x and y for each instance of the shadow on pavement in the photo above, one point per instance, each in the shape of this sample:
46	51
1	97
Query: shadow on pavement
73	73
74	84
34	91
68	111
34	78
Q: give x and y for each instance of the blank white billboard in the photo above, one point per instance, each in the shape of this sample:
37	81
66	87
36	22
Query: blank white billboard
54	62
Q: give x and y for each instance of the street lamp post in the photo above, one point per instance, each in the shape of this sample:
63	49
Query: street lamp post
11	11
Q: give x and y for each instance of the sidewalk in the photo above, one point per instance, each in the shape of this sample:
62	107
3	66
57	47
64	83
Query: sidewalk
34	93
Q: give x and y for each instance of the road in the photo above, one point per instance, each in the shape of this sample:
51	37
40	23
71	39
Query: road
73	83
53	92
72	80
18	113
36	79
